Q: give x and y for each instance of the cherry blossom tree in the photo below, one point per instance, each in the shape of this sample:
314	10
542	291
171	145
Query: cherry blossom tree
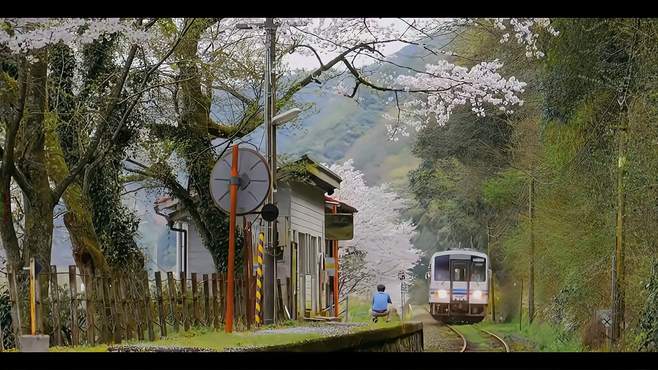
441	86
381	246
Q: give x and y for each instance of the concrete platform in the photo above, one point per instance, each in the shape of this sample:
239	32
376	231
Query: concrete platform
34	343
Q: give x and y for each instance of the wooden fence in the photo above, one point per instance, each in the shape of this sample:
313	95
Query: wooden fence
94	309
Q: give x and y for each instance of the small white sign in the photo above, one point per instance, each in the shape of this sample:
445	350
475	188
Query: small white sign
308	293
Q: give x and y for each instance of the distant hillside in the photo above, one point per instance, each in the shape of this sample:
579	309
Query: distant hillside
339	128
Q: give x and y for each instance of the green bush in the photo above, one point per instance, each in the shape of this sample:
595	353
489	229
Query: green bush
5	320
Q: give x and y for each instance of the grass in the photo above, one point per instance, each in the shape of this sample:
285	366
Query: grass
474	337
219	341
206	338
541	336
360	311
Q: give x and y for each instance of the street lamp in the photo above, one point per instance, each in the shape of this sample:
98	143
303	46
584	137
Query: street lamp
286	116
271	123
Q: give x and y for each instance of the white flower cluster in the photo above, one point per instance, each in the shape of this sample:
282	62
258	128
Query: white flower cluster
525	32
448	86
378	226
22	35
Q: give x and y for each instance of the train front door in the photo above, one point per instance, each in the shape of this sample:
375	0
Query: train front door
459	285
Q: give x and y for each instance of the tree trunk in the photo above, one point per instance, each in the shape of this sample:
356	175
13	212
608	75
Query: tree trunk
37	241
7	230
39	205
87	251
195	118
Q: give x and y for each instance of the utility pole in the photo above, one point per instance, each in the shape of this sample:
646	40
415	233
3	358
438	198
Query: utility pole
270	107
492	284
270	121
618	301
531	279
521	306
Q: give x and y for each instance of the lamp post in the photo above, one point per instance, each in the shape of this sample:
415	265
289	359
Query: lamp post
272	229
271	122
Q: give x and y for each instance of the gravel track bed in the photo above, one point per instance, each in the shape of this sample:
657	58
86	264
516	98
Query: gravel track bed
436	336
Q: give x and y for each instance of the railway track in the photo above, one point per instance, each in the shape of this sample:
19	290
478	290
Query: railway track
471	347
483	337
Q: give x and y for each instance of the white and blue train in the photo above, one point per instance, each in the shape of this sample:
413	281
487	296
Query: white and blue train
459	285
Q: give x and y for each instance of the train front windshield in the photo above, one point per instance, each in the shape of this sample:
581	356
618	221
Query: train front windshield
459	272
478	269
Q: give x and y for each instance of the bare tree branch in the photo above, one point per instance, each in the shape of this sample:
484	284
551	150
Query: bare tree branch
116	132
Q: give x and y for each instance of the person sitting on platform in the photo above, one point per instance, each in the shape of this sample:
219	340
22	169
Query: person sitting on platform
380	302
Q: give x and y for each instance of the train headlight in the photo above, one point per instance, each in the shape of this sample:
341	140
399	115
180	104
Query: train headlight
443	293
477	294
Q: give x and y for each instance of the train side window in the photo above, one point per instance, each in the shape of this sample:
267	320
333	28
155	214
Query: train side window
442	268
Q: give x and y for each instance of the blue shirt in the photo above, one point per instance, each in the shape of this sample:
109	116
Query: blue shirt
380	301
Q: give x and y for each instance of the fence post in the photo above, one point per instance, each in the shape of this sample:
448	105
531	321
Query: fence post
39	302
54	292
222	297
119	301
89	300
73	291
195	303
158	288
122	306
134	308
237	314
147	305
14	296
172	299
102	309
241	297
215	303
183	290
114	322
206	297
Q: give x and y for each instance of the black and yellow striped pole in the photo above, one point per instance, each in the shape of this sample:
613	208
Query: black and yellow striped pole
259	278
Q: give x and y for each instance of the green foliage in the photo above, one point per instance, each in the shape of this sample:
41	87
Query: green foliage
598	76
5	319
502	191
542	337
115	225
649	316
